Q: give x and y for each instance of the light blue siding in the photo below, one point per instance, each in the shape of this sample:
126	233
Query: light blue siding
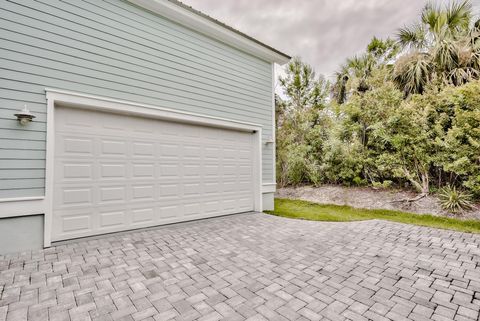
112	48
21	234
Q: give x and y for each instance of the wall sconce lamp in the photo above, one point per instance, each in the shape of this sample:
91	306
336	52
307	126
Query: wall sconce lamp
24	116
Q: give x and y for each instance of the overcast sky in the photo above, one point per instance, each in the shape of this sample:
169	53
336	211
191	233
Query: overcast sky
323	32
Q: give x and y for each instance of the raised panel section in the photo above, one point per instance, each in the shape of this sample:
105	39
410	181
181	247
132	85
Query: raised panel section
141	216
112	170
170	190
110	147
112	194
143	170
77	171
169	170
143	192
77	196
75	223
78	145
143	149
110	219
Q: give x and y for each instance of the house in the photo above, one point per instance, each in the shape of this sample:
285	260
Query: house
147	112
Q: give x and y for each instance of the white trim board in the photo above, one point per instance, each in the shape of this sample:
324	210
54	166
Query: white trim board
269	188
22	206
212	29
85	101
274	128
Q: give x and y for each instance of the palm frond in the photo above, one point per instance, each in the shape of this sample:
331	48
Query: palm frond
412	37
445	55
412	73
459	15
433	17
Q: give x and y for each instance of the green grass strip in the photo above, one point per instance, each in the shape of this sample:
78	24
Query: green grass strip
336	213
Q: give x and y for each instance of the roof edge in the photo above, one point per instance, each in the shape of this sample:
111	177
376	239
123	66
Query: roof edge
198	21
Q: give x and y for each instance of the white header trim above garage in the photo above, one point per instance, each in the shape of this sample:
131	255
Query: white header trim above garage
67	98
213	28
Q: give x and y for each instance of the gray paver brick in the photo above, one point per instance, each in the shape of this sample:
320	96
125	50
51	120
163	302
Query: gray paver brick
250	266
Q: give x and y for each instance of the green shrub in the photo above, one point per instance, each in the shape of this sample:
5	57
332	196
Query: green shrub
385	184
454	200
379	136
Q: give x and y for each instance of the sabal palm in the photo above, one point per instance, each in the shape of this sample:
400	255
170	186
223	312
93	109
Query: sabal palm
443	46
360	67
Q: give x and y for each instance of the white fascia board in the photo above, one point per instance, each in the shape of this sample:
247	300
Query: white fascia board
205	26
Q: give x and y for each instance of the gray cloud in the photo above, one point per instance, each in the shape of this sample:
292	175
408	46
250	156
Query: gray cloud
323	32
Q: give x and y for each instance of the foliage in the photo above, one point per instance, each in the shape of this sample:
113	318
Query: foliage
335	213
298	123
354	74
454	200
443	47
462	140
403	113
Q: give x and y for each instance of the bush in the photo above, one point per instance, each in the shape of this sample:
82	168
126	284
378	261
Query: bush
454	200
378	136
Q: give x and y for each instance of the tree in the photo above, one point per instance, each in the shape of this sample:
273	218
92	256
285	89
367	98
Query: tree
404	112
357	70
302	86
441	48
297	115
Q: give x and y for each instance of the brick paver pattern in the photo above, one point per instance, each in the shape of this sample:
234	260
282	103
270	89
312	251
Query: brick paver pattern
250	266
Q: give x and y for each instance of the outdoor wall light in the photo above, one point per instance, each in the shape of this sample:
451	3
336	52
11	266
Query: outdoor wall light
24	116
269	141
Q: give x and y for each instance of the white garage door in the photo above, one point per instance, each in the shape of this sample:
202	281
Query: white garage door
115	172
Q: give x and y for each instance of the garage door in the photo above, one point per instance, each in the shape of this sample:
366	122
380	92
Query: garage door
116	172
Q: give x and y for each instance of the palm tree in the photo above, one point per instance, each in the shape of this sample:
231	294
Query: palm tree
339	88
443	46
359	68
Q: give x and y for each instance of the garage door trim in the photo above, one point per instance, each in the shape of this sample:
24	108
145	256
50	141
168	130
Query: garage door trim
106	104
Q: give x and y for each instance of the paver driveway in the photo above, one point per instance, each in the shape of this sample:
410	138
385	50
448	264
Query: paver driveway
250	266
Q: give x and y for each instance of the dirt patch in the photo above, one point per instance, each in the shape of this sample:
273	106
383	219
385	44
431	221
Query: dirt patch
366	197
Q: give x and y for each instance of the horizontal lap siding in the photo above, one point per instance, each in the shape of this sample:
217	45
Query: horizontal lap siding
115	49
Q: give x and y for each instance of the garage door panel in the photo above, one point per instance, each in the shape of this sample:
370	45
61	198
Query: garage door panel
112	170
211	171
143	193
213	187
112	219
74	170
72	222
129	172
143	149
73	122
168	210
169	170
143	216
172	190
143	170
76	223
112	194
169	151
113	147
78	196
77	145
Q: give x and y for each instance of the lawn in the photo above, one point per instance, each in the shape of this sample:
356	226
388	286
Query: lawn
335	213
